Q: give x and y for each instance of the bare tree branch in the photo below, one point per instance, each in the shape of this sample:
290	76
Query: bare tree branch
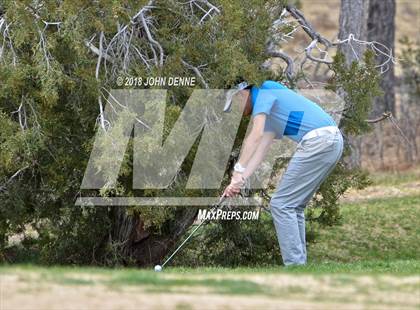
17	173
7	41
384	116
122	50
21	112
197	72
98	66
289	61
98	52
299	21
43	47
306	26
206	9
308	52
152	40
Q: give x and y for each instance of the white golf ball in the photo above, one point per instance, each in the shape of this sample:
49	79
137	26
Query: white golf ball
158	268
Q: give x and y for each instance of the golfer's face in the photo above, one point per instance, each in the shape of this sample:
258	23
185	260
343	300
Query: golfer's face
243	99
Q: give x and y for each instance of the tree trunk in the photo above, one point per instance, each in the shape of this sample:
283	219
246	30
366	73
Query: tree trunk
353	20
381	28
139	246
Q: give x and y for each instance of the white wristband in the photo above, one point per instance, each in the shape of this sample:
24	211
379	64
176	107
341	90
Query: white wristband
238	168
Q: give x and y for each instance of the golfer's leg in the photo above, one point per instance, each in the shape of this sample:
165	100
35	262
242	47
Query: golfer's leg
283	208
300	210
326	165
300	215
306	171
285	222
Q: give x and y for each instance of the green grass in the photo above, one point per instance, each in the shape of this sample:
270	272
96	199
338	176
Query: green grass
371	258
147	275
145	278
379	229
375	236
229	281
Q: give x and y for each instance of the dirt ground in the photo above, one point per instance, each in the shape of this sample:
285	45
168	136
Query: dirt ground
381	191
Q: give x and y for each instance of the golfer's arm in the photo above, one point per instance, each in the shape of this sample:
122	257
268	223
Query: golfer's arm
259	154
252	140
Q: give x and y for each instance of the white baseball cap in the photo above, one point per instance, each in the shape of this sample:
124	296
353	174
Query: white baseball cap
233	92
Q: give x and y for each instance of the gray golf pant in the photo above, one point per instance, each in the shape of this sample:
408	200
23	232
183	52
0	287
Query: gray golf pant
312	162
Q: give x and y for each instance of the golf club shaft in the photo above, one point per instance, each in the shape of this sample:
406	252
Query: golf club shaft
191	234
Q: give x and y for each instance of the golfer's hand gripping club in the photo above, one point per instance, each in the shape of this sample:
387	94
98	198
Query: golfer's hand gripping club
237	182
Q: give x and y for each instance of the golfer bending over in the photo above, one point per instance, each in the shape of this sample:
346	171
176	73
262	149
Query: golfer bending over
276	112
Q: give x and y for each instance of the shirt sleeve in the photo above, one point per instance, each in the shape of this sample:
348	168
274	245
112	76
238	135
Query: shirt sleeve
263	103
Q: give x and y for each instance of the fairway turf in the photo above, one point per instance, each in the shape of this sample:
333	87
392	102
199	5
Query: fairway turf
377	229
375	284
